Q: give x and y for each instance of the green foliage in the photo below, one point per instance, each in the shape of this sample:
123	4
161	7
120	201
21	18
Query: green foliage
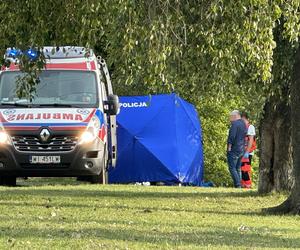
27	83
215	126
217	54
214	113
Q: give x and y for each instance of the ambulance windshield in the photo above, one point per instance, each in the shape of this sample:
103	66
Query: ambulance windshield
56	88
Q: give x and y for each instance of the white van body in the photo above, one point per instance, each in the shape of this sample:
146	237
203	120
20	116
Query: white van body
68	128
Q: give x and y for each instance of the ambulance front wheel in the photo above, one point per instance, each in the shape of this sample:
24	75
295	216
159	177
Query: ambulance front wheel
10	181
102	178
95	179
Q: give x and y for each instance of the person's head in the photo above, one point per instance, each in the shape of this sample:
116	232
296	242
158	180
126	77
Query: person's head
234	115
245	116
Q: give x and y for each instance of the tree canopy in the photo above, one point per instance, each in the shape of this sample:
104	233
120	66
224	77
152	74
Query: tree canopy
216	53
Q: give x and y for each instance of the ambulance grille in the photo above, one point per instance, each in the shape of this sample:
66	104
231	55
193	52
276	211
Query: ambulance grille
57	143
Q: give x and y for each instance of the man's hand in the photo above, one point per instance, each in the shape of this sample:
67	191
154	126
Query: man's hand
246	155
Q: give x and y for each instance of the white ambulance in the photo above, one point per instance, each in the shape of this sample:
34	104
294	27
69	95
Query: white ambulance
68	129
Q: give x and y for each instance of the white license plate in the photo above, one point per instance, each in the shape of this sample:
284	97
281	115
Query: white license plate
44	159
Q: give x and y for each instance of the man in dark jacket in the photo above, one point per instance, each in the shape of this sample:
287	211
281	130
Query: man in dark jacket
236	146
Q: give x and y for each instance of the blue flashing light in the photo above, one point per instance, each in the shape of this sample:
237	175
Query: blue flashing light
32	54
13	52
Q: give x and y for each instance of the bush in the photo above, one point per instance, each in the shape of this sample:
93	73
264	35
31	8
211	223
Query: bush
214	115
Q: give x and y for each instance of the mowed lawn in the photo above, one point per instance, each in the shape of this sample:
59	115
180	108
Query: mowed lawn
43	214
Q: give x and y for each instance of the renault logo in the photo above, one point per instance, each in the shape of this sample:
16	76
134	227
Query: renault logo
45	134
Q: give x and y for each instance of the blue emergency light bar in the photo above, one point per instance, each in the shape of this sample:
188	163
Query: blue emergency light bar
32	54
50	52
15	53
12	52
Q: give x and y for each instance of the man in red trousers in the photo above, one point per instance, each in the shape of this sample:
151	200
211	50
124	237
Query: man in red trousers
250	146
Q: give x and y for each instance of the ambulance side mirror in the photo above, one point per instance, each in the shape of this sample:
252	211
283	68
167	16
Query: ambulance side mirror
112	104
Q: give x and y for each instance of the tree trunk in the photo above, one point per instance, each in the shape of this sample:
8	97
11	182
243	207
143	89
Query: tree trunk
292	204
275	166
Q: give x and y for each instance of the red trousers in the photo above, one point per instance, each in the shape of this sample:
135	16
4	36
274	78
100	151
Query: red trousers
246	181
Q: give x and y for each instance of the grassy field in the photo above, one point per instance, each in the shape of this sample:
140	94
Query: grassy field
54	215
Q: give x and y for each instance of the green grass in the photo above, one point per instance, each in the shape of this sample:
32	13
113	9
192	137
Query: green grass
40	215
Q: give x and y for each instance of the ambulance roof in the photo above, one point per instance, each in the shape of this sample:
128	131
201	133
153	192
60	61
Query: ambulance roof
67	52
65	57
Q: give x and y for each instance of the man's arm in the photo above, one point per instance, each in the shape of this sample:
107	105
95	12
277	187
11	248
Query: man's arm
231	136
251	134
250	142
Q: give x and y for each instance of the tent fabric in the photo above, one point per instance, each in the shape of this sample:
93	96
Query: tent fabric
159	140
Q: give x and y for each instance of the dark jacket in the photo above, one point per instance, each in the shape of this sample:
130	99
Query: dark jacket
237	135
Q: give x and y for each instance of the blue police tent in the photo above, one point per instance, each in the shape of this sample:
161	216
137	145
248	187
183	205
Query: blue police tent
159	140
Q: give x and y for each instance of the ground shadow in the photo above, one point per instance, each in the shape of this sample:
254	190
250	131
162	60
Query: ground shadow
146	194
220	237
